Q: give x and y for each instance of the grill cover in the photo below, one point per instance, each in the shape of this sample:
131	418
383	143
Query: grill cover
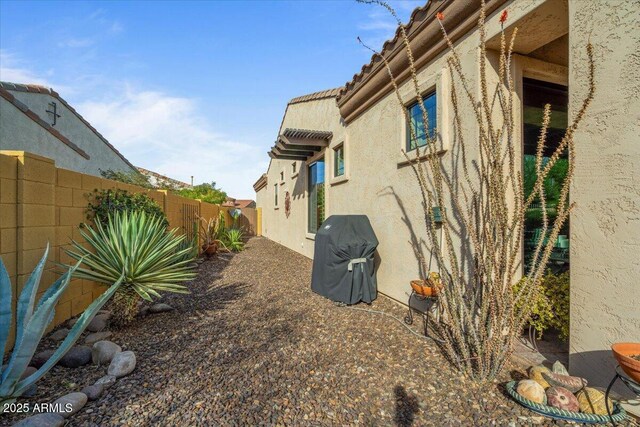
343	260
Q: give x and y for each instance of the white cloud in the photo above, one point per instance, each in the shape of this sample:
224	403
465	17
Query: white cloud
14	71
381	26
171	135
74	43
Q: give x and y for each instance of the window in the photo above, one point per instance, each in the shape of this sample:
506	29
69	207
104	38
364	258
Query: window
275	195
338	160
281	176
417	123
294	168
316	195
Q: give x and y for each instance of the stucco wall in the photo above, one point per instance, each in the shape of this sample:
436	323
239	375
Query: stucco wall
380	183
321	115
605	225
19	132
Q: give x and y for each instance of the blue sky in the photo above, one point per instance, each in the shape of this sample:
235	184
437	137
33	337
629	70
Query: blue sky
190	88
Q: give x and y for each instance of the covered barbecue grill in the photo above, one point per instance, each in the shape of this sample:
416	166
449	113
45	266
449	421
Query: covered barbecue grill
343	265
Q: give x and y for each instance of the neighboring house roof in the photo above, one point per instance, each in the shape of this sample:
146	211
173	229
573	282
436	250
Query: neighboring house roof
163	178
245	203
32	88
36	118
323	94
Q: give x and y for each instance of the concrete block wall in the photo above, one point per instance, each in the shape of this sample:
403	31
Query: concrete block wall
40	204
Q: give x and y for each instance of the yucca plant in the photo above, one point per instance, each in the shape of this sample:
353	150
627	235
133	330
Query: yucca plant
31	324
138	247
233	239
212	233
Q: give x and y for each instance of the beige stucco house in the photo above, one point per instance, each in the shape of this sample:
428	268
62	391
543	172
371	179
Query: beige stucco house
38	120
339	152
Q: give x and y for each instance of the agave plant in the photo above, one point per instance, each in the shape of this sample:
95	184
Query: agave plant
233	239
137	246
31	324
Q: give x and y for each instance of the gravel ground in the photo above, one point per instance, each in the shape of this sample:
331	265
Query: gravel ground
252	345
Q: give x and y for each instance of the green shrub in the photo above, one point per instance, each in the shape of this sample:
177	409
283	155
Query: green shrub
105	202
205	192
551	307
137	246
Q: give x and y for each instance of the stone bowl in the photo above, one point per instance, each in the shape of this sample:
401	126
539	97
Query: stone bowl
623	352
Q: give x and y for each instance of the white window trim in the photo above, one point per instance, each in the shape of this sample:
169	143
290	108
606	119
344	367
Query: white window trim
440	83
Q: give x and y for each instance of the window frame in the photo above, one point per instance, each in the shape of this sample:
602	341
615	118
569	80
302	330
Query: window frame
425	96
275	196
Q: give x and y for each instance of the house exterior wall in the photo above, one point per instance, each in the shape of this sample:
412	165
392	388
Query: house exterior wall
378	181
605	225
19	132
291	231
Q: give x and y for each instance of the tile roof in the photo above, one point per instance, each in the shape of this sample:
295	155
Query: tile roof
418	15
329	93
33	88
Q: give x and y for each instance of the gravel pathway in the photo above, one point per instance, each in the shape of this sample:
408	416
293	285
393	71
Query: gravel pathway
252	345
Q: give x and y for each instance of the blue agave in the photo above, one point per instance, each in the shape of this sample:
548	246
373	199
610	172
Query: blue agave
31	325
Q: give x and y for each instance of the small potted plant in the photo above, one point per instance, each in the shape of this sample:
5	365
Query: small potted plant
210	232
430	287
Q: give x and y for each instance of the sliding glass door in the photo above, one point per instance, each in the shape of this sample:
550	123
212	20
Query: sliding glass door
535	95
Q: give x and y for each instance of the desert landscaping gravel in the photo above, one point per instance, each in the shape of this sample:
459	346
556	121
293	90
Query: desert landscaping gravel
253	345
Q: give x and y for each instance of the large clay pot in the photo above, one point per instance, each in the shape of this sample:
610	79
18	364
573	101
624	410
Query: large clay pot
622	352
210	250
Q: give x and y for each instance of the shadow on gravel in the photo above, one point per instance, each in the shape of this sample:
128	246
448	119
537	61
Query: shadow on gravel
406	407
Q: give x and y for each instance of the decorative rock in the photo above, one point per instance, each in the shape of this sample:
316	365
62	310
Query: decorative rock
561	398
106	313
591	401
59	335
532	390
106	381
160	308
72	322
40	358
70	404
573	384
103	352
76	356
97	336
94	391
122	364
535	373
559	368
41	420
98	323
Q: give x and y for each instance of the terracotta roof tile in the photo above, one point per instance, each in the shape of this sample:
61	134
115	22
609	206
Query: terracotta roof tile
329	93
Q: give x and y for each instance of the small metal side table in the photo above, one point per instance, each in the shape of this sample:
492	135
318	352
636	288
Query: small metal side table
631	385
422	305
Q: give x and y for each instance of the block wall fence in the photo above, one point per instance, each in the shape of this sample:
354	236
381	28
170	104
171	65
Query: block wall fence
40	204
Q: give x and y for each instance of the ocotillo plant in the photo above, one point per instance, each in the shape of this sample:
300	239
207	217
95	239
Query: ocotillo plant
485	204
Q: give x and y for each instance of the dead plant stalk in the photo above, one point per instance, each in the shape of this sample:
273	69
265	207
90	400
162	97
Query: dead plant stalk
485	206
